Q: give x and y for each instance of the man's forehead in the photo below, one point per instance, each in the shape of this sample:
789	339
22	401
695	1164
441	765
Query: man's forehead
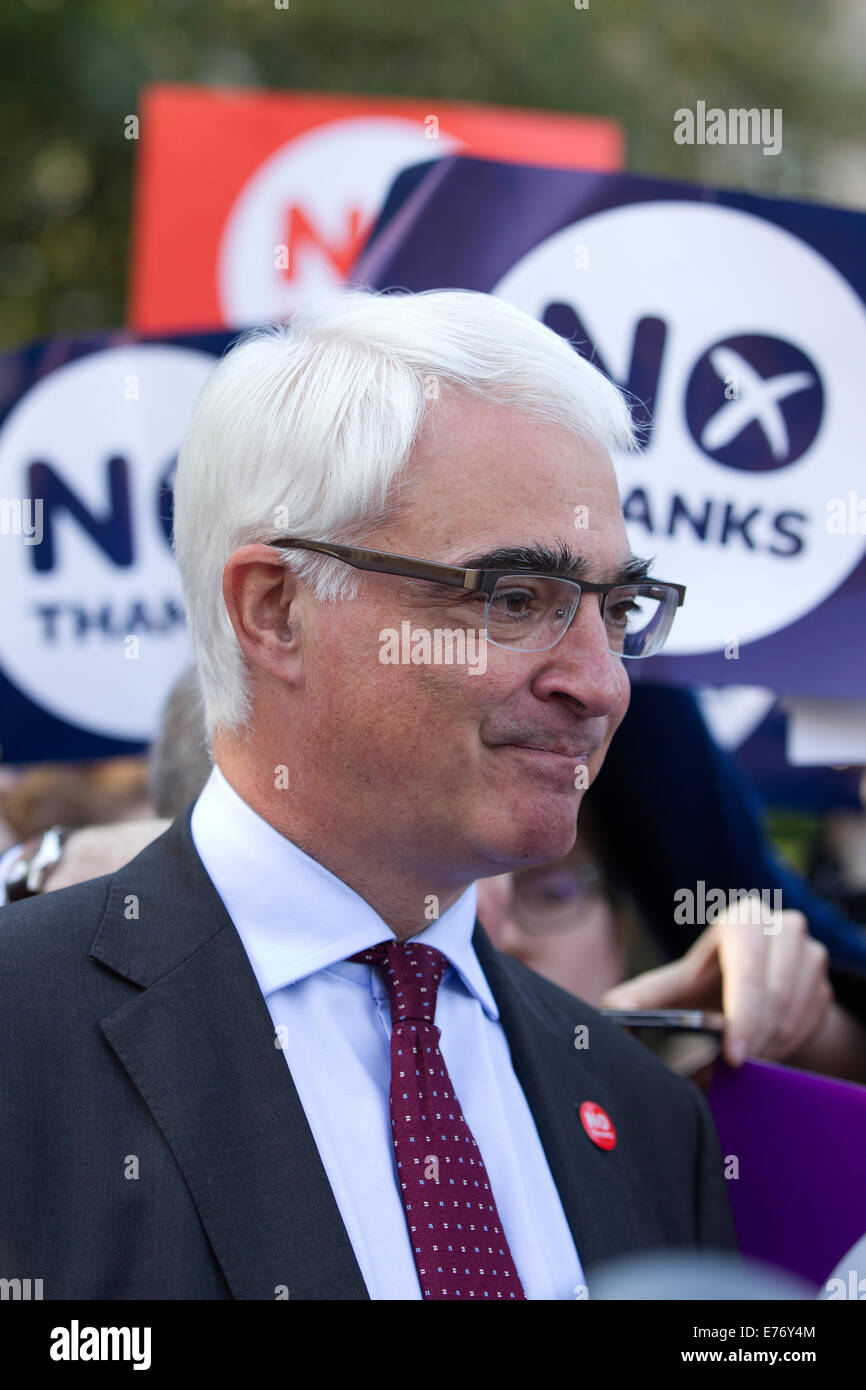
494	433
510	491
524	491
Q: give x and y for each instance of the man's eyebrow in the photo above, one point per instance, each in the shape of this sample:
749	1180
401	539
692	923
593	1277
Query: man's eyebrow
538	558
633	570
559	560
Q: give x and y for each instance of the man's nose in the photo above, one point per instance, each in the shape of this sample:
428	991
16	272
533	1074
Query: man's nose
582	664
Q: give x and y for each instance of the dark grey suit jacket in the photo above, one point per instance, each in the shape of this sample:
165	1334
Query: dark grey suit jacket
152	1143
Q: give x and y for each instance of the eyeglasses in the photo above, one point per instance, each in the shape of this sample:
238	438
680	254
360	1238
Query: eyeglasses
526	611
554	898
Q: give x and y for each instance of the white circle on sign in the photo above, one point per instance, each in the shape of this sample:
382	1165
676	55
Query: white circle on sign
328	186
65	643
714	273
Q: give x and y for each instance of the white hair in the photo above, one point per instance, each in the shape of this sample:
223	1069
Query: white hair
304	429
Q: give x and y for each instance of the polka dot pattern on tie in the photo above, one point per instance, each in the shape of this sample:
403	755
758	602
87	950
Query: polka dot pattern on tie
457	1239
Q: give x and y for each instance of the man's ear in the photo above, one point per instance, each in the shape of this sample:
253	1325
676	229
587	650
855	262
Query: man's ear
262	600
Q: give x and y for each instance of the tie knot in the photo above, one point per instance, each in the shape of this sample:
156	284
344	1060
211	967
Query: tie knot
412	973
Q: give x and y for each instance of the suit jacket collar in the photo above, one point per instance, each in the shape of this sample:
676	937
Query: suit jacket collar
198	1043
598	1188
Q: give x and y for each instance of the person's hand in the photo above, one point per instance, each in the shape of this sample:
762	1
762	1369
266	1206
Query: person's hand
768	977
100	849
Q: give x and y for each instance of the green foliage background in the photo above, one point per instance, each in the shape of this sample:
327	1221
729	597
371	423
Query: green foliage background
71	71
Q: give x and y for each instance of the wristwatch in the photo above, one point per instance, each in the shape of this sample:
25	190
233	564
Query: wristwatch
35	862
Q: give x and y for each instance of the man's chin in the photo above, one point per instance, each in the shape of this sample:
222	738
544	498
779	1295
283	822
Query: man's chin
539	834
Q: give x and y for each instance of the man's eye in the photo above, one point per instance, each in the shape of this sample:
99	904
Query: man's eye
514	602
619	613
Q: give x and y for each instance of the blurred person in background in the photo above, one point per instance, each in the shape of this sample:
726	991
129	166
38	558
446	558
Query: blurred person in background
58	810
570	921
74	794
8	835
793	991
82	831
687	811
838	862
573	923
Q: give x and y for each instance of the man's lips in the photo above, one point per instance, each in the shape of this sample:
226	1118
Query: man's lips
573	755
559	769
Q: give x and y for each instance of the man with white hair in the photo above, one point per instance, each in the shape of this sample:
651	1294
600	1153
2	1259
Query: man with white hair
275	1055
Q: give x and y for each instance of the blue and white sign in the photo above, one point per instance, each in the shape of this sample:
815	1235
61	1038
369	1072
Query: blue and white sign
738	327
93	633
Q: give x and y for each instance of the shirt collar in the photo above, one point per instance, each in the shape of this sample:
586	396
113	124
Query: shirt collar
292	914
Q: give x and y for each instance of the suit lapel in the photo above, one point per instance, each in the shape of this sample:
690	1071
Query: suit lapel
199	1045
598	1188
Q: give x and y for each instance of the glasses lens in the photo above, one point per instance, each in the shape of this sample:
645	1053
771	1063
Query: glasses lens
554	897
530	611
638	618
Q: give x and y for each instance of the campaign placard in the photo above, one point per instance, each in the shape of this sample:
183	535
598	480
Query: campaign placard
248	203
737	324
93	634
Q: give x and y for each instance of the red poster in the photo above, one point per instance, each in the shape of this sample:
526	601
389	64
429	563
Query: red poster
248	203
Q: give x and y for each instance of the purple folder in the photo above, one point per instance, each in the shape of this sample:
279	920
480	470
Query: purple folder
800	1198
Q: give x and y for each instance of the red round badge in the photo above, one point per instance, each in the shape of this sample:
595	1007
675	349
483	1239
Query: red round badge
598	1125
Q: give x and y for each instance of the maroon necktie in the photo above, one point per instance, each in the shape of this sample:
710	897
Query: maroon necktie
457	1238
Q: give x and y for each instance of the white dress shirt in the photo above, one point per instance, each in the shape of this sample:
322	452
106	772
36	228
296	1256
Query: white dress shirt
298	924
